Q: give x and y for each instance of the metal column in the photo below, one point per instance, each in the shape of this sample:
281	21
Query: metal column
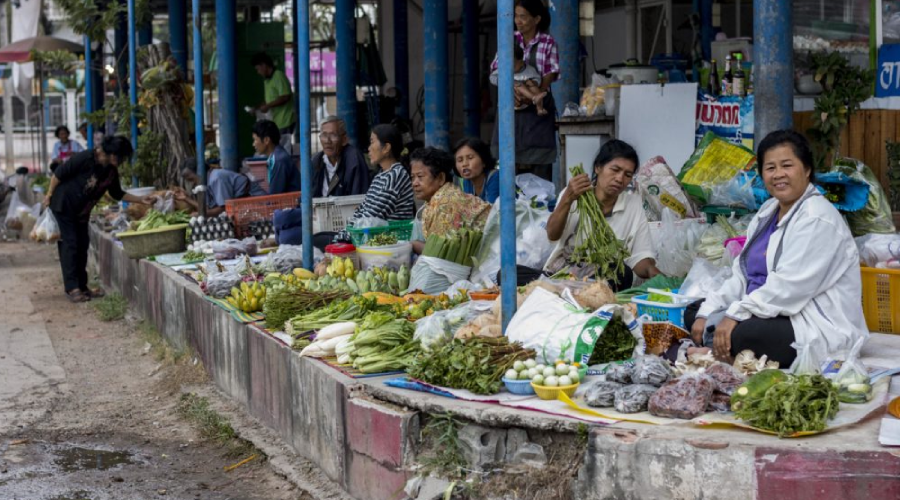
437	109
88	90
226	25
301	60
564	27
472	96
198	92
345	36
145	34
120	47
773	67
401	55
178	33
706	28
132	79
507	130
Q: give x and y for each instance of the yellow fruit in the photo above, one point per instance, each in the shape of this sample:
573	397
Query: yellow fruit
338	267
254	304
349	273
260	293
244	286
301	273
231	301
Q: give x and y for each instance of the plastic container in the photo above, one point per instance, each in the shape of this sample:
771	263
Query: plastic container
166	239
258	208
401	229
332	213
520	387
551	393
735	249
344	251
881	299
712	211
391	256
673	313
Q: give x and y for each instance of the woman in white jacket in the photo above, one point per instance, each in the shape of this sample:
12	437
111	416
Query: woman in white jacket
797	279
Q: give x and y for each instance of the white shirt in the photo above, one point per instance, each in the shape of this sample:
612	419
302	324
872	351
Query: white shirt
330	171
627	220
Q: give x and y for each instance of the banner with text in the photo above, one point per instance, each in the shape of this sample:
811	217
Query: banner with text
729	117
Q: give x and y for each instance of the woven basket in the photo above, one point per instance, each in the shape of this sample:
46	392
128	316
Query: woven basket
167	239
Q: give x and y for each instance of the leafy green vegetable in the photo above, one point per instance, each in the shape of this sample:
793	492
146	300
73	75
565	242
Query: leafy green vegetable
457	246
801	403
354	309
476	364
155	220
599	246
614	344
284	301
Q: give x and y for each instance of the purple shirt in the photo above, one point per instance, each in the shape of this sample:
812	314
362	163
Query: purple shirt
757	270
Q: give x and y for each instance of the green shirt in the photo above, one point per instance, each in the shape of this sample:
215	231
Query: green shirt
276	86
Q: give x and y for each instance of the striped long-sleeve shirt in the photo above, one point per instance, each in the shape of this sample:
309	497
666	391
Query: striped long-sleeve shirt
390	196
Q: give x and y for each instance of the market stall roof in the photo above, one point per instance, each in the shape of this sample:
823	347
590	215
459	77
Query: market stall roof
20	51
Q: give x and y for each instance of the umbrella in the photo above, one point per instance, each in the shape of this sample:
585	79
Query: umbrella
20	51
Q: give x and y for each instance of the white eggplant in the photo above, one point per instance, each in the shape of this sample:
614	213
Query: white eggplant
336	330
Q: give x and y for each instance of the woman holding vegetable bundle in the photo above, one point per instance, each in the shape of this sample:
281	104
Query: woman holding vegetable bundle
446	207
797	280
614	167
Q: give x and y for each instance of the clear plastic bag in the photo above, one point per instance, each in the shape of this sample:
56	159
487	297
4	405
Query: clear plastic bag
633	398
535	188
736	192
288	257
219	284
432	275
602	394
532	246
659	188
46	229
232	248
439	328
369	222
677	245
726	377
879	250
704	278
165	203
651	370
806	362
620	373
686	397
875	216
853	381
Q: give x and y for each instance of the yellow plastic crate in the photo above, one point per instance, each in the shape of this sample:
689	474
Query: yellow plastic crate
881	299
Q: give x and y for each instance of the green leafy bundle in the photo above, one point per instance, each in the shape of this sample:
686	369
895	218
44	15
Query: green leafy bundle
285	301
476	364
382	343
614	344
155	220
799	404
354	309
599	246
457	246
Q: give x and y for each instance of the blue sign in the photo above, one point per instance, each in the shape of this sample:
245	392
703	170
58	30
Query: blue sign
729	117
887	76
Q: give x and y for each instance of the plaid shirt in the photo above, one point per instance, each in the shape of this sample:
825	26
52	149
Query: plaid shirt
547	56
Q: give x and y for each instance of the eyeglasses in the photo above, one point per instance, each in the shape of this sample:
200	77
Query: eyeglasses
329	137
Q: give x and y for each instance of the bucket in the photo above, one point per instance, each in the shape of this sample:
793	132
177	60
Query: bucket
391	256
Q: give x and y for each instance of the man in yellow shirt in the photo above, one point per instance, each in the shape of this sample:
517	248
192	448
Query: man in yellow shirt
278	96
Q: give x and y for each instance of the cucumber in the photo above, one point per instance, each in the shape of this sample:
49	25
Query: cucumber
756	386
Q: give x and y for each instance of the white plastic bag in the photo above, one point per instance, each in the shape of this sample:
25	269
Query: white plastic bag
677	245
806	362
532	246
432	275
165	203
736	192
704	278
369	222
46	229
879	250
659	188
433	331
548	324
535	188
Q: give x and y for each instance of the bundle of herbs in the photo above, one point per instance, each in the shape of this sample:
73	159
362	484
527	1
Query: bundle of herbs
615	343
597	244
476	364
457	246
801	403
339	311
284	301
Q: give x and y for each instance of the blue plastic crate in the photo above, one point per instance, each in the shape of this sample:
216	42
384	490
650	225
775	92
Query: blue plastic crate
673	313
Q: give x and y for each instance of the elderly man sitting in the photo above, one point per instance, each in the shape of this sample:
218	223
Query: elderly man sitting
339	169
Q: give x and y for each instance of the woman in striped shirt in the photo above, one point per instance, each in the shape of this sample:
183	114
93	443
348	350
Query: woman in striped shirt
390	196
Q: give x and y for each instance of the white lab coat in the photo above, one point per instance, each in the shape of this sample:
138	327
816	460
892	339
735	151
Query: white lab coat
814	277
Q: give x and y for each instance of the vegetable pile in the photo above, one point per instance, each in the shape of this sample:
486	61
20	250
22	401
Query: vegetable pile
284	301
381	344
614	344
786	404
457	246
155	220
382	240
598	245
476	364
353	309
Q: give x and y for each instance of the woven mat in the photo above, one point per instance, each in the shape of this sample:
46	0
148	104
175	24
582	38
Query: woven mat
236	313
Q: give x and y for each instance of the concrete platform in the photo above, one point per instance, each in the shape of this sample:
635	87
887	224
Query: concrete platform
364	435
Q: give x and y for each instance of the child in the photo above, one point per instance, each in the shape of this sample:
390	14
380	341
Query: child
526	83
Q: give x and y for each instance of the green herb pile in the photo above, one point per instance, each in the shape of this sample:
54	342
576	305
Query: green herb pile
192	256
155	220
354	309
800	403
598	245
457	246
382	343
476	364
614	344
382	240
284	301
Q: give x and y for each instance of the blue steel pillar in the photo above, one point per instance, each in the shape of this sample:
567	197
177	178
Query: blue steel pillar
132	79
120	47
198	91
88	90
773	67
301	60
706	28
226	25
345	37
178	33
401	55
145	34
564	27
437	109
472	96
507	131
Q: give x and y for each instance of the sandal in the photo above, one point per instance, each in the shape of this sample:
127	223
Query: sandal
96	293
77	296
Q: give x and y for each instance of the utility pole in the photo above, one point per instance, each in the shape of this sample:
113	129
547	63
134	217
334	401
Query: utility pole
5	16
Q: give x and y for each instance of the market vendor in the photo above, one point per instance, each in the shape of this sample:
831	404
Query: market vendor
221	185
279	100
797	278
446	207
282	173
339	169
390	196
614	168
476	168
75	187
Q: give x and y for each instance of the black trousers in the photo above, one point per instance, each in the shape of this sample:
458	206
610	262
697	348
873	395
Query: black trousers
73	247
770	336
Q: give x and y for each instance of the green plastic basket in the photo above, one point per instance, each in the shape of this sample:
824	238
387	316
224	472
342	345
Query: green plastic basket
712	211
166	239
401	229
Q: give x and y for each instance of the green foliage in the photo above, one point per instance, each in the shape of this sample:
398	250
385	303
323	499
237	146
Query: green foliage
845	88
117	109
111	308
147	163
447	459
53	61
91	18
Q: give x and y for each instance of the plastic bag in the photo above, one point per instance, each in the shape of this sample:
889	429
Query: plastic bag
651	370
532	246
677	245
46	229
853	381
806	362
571	110
232	248
593	99
719	402
633	398
879	250
704	278
846	194
620	373
726	377
13	212
659	188
532	187
219	284
876	216
736	192
165	203
602	394
439	328
432	275
549	325
288	257
596	327
713	162
686	397
390	256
